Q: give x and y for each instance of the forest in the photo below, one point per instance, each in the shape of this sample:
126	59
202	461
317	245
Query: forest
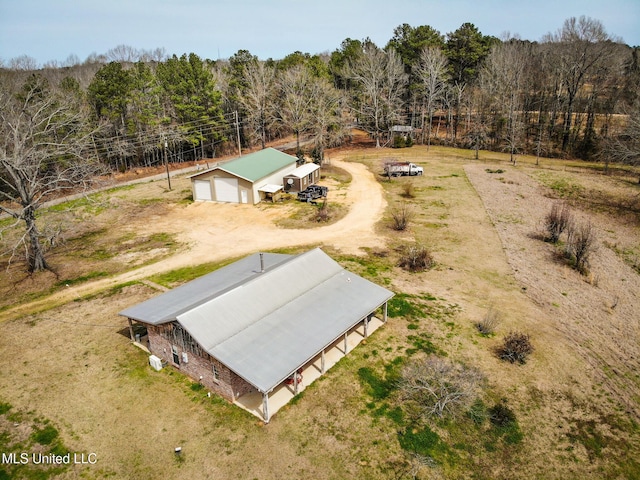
569	95
574	94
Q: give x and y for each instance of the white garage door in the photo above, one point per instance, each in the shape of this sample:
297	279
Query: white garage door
202	190
226	189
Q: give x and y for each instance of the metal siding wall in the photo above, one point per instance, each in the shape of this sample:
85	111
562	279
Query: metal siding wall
275	178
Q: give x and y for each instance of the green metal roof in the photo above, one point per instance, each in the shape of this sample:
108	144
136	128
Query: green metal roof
259	164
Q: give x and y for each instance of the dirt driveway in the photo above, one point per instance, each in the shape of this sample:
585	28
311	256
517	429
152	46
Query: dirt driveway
216	231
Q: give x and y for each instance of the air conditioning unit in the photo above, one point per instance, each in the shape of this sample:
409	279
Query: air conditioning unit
155	363
185	358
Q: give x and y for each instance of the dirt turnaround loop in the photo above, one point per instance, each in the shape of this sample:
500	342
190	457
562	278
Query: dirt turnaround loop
216	231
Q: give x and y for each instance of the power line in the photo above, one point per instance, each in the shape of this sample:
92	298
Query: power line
149	140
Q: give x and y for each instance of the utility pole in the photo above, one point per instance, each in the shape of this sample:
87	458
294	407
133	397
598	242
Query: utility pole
238	133
166	163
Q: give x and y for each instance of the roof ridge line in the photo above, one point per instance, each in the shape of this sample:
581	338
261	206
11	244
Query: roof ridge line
256	278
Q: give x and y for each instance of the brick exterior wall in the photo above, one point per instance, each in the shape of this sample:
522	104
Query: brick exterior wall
199	364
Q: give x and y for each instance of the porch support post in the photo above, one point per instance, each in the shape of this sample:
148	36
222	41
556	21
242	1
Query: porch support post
366	326
322	363
295	382
133	338
265	407
345	343
384	316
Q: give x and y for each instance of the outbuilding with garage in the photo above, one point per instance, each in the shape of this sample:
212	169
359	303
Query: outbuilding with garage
247	179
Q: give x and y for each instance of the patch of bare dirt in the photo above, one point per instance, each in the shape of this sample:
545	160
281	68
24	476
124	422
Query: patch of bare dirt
216	231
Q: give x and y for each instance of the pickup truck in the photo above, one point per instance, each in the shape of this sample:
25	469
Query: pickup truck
312	193
396	169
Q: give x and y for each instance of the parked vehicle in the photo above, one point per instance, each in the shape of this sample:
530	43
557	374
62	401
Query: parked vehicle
312	193
396	169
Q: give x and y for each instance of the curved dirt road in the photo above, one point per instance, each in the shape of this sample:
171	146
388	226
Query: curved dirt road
215	231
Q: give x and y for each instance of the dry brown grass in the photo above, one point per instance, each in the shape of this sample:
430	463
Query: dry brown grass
572	398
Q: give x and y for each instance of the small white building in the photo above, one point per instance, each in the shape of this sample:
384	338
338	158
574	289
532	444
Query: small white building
301	178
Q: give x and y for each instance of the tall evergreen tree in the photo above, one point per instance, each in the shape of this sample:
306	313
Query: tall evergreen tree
191	95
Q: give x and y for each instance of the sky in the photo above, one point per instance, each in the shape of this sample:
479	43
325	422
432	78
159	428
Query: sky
53	30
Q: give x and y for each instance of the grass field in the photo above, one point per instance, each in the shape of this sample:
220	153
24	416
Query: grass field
70	381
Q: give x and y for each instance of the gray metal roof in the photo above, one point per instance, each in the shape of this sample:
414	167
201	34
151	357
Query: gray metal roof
167	306
272	324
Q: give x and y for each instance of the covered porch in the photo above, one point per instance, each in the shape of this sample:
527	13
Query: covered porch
264	406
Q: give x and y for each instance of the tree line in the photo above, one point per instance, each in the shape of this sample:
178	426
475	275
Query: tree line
574	93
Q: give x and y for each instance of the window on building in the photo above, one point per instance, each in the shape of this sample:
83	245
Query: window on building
216	373
176	358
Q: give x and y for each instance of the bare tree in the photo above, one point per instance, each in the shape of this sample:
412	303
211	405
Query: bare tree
401	217
44	140
257	97
582	45
432	71
24	63
295	102
436	386
416	258
581	242
327	122
381	78
490	321
123	54
503	77
625	148
557	221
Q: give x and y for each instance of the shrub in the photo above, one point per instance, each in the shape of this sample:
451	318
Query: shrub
401	217
323	213
408	190
501	415
399	142
516	347
505	423
580	244
435	386
416	258
478	412
488	324
557	221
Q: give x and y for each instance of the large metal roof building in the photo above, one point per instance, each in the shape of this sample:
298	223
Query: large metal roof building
267	315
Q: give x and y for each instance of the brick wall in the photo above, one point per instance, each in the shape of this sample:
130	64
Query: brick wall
228	385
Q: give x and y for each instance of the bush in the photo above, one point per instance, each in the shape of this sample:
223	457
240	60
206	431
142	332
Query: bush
505	423
416	258
323	213
399	142
580	244
436	386
501	416
516	347
487	326
557	221
408	190
401	217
